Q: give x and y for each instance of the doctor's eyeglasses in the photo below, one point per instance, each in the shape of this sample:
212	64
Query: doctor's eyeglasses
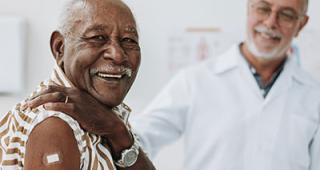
285	17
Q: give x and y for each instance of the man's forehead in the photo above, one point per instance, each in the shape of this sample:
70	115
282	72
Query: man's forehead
100	18
107	4
95	7
129	28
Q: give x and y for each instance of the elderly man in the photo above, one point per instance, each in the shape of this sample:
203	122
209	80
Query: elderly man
98	55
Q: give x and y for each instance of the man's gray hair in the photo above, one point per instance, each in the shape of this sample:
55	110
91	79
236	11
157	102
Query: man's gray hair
69	9
68	13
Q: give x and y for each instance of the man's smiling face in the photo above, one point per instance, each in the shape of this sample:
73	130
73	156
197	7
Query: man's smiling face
101	53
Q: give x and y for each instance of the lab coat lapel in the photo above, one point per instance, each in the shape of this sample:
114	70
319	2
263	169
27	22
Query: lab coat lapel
249	78
283	82
233	59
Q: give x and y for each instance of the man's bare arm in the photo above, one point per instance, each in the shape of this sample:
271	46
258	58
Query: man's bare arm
52	146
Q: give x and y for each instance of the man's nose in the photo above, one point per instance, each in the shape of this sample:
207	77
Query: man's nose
271	20
116	53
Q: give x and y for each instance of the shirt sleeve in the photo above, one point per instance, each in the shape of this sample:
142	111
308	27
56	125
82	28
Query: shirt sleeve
79	134
164	119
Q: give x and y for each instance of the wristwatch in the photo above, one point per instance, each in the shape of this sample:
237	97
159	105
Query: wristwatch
129	156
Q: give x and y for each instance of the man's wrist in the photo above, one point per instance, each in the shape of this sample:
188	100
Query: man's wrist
118	141
130	155
123	156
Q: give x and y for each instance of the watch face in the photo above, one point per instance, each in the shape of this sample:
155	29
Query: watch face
130	157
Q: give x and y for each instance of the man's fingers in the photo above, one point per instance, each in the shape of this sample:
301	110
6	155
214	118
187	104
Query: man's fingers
48	98
54	88
67	108
48	89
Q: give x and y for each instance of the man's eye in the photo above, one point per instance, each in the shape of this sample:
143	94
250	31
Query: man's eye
129	43
98	37
129	40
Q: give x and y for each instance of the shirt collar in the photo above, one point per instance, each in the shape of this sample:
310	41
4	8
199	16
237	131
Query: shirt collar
58	77
229	60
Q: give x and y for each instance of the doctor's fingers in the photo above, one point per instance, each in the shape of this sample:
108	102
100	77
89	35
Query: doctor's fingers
48	98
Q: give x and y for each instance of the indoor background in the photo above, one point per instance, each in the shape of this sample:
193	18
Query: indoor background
173	34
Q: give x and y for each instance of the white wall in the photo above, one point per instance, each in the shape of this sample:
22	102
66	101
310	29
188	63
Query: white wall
40	17
156	19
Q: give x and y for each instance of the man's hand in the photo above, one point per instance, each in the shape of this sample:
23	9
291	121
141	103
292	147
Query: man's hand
92	115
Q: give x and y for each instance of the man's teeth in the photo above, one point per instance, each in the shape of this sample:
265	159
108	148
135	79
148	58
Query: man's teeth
268	36
264	35
103	75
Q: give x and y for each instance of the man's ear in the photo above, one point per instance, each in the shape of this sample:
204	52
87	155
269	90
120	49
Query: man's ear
57	47
302	24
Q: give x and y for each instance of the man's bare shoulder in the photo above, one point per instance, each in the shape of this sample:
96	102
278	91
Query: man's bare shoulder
52	145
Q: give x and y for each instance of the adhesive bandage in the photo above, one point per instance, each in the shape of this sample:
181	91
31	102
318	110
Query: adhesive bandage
50	159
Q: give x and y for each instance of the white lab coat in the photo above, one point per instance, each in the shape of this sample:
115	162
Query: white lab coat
228	125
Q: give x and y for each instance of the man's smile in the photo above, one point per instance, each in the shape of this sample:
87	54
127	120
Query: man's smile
111	77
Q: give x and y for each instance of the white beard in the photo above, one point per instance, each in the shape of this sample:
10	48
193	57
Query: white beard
275	53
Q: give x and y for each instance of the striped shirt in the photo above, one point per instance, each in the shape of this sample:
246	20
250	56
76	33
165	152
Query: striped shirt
17	124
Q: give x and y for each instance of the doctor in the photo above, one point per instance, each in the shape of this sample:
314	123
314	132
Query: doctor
253	108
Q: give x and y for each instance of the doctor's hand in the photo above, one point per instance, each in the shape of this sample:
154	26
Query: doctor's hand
92	115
